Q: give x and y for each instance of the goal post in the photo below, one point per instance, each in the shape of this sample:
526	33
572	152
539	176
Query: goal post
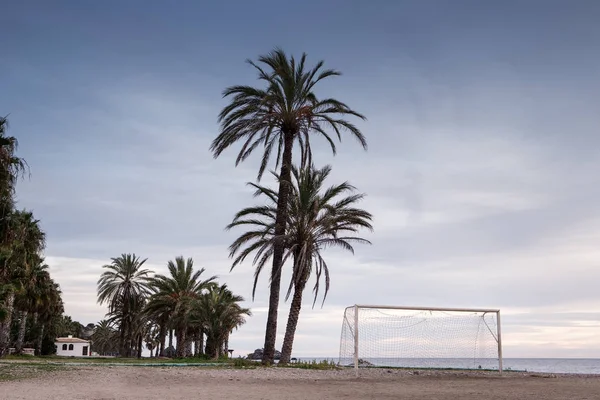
421	337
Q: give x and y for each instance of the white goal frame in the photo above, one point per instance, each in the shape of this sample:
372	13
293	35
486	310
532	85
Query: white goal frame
357	307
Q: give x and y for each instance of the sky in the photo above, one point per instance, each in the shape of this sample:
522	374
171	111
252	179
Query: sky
481	172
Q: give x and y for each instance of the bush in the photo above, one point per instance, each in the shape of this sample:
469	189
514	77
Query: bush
314	364
243	363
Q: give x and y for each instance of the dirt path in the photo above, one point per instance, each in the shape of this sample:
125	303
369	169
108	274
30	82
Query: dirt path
198	383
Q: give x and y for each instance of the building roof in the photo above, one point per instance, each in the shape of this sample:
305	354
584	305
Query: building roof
70	340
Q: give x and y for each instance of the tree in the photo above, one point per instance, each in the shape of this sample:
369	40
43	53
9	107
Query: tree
47	313
219	313
104	338
27	241
32	294
11	168
123	286
285	112
174	295
318	218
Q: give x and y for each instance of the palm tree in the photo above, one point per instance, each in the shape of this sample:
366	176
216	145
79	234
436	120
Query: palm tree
219	313
30	296
123	286
285	112
318	218
173	295
27	243
47	310
104	338
11	168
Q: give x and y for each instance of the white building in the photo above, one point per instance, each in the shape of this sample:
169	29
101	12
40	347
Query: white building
72	347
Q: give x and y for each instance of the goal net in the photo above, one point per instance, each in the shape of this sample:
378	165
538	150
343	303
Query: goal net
441	338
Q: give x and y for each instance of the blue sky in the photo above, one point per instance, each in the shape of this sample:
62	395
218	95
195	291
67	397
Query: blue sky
482	168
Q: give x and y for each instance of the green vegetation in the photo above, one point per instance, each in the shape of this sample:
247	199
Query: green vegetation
17	371
314	364
144	308
244	363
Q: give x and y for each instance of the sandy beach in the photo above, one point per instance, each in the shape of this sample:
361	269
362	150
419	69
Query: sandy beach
107	382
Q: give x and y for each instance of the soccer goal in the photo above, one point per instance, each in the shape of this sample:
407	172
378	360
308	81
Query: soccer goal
420	337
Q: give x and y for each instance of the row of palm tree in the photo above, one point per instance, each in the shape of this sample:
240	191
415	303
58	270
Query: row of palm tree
29	298
299	221
145	308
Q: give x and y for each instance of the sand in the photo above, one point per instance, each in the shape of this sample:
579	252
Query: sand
105	382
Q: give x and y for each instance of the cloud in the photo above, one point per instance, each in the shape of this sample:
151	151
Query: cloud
481	171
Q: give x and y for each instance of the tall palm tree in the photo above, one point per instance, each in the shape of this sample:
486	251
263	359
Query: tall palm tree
318	218
286	111
123	286
11	168
174	295
27	243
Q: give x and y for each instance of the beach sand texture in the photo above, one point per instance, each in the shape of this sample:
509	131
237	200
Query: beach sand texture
277	383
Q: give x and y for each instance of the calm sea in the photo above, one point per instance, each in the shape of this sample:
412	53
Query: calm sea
551	365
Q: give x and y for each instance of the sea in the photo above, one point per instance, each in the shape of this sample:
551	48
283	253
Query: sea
547	365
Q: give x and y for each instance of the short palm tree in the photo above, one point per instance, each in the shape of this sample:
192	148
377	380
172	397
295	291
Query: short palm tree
283	113
30	296
47	311
104	338
173	295
318	218
123	285
219	312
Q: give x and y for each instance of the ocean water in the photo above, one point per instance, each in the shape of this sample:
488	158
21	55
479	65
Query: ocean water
549	365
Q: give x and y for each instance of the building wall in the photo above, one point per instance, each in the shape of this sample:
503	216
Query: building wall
76	352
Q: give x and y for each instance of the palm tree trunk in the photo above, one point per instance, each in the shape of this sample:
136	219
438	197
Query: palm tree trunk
211	347
217	352
5	325
196	344
226	346
170	338
139	346
40	339
201	343
278	247
180	351
34	321
163	334
21	334
188	346
292	323
122	343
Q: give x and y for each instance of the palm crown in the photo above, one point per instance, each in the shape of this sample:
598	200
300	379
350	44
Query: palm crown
318	218
287	106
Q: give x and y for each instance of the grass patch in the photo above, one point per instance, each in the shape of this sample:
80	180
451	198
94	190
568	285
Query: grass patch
245	363
18	371
314	364
116	360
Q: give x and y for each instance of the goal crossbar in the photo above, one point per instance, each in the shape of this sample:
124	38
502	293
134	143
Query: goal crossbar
497	335
480	310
